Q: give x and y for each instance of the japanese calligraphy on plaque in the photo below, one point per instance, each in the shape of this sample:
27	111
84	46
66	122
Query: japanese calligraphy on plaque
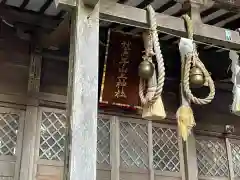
120	78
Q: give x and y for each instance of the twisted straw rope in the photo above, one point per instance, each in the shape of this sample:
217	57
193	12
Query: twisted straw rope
192	58
159	58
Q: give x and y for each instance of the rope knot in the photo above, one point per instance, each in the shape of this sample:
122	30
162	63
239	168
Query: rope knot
192	59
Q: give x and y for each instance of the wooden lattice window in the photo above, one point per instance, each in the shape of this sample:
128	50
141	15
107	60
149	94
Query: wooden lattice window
11	139
133	145
165	149
9	126
103	140
52	136
235	157
212	157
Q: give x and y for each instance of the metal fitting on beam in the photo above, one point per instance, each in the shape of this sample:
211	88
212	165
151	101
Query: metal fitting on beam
69	4
65	4
238	30
90	3
229	129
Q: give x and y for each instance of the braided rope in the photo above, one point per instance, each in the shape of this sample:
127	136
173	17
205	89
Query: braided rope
152	81
192	58
189	25
153	38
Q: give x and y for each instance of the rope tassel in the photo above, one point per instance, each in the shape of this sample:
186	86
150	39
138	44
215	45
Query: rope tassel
153	108
185	116
185	121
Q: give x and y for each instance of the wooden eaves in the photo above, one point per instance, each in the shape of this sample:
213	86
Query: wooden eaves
138	17
132	16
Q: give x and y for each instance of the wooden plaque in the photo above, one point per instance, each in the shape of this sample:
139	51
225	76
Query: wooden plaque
120	82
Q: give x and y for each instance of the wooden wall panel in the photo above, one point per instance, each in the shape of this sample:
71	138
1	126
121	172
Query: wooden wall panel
54	77
13	79
166	178
7	168
134	176
103	175
45	172
14	62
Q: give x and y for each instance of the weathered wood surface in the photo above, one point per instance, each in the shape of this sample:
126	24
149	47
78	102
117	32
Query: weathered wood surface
48	172
54	76
65	4
132	16
58	37
12	15
231	5
91	3
14	64
83	95
123	14
30	128
190	158
230	159
115	148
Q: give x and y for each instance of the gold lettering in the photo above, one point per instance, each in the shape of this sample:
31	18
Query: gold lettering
123	70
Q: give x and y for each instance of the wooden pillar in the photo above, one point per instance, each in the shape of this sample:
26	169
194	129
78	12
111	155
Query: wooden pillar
189	147
82	102
230	161
150	151
190	158
115	148
195	6
27	171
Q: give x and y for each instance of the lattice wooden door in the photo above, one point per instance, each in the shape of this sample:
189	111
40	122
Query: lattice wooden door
50	144
50	139
11	134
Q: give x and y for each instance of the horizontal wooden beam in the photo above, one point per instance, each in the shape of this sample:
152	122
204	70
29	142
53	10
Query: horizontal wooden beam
231	5
65	4
69	4
52	55
14	16
132	16
58	37
91	3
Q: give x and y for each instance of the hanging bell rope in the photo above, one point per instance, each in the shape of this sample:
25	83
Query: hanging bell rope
191	66
153	108
153	43
192	59
185	117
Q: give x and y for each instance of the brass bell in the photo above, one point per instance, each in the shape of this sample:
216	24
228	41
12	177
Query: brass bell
196	77
145	69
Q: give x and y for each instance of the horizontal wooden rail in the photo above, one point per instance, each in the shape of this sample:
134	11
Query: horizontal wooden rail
231	5
132	16
136	17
